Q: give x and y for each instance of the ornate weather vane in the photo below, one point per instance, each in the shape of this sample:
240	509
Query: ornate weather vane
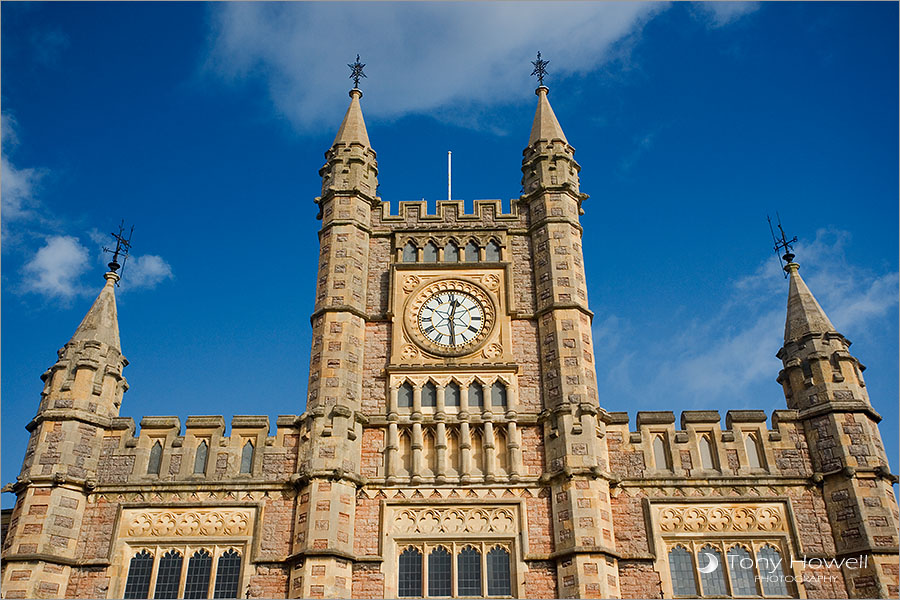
782	244
356	72
123	247
540	68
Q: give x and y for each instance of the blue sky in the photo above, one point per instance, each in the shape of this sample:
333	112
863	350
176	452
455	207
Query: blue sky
205	126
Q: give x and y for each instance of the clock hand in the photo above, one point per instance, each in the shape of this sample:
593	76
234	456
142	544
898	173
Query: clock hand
452	322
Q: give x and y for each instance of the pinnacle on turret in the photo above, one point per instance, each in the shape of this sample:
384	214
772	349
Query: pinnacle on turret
804	315
353	127
545	127
101	323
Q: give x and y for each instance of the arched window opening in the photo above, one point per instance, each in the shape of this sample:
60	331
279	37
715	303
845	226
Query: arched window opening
247	457
706	453
500	449
228	575
451	394
169	575
155	459
752	451
201	457
139	570
476	395
451	252
429	455
472	251
498	573
712	583
439	572
410	253
410	580
405	396
681	567
769	563
429	395
492	251
477	452
468	572
498	394
430	252
660	456
453	450
743	576
406	452
196	584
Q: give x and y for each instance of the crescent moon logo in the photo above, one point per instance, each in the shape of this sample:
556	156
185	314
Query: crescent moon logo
712	565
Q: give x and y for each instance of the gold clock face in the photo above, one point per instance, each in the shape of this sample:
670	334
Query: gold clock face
450	317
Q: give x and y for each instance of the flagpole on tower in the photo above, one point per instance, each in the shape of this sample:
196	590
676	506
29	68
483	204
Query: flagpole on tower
449	175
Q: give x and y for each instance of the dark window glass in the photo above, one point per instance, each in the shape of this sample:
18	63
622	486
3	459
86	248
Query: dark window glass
139	571
169	575
468	572
492	252
405	396
451	252
429	395
430	252
476	395
197	583
713	583
498	394
768	559
155	459
410	573
439	577
681	566
706	453
200	457
410	253
247	457
743	577
228	575
451	395
472	251
498	579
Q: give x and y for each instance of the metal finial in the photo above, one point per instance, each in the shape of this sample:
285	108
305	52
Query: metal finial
123	247
540	68
356	72
782	244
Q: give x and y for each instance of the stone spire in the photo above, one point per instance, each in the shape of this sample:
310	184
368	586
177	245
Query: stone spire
353	127
350	165
101	323
546	126
804	315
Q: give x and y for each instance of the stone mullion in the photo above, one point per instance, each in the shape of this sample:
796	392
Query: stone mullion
391	449
465	446
490	455
416	444
515	450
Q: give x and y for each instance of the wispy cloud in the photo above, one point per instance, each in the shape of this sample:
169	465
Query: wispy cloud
54	270
145	271
719	14
17	185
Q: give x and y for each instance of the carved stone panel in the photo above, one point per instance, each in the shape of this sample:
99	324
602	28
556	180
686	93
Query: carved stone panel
188	522
768	517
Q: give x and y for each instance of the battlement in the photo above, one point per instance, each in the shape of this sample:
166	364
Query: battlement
449	213
698	446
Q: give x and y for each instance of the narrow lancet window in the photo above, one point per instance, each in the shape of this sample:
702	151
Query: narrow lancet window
451	252
660	456
498	394
410	580
247	457
706	453
752	452
405	396
429	395
472	251
430	253
155	459
492	252
451	394
138	583
410	253
228	575
200	457
196	583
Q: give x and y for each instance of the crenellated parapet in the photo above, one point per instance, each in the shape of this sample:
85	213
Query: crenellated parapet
448	215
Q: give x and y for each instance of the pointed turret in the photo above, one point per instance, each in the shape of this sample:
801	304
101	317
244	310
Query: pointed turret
804	315
351	166
353	127
548	162
546	126
101	323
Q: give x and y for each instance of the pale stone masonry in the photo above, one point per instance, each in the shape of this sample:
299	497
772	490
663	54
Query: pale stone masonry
475	436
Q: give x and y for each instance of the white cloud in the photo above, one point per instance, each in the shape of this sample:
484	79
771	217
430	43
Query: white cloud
420	56
17	186
55	268
145	271
719	14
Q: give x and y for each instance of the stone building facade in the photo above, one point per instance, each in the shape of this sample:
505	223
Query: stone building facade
454	441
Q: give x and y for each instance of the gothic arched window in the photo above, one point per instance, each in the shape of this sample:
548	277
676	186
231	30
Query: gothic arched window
472	251
712	583
228	575
660	457
752	451
492	251
196	584
405	396
247	457
439	575
430	252
743	576
451	394
498	394
410	253
429	394
169	575
498	575
681	567
468	572
476	395
201	457
500	448
452	450
706	453
410	582
139	570
451	252
155	459
769	563
429	453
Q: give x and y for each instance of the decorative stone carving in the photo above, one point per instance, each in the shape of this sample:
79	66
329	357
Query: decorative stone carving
491	282
492	351
188	523
409	352
453	520
410	283
697	518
